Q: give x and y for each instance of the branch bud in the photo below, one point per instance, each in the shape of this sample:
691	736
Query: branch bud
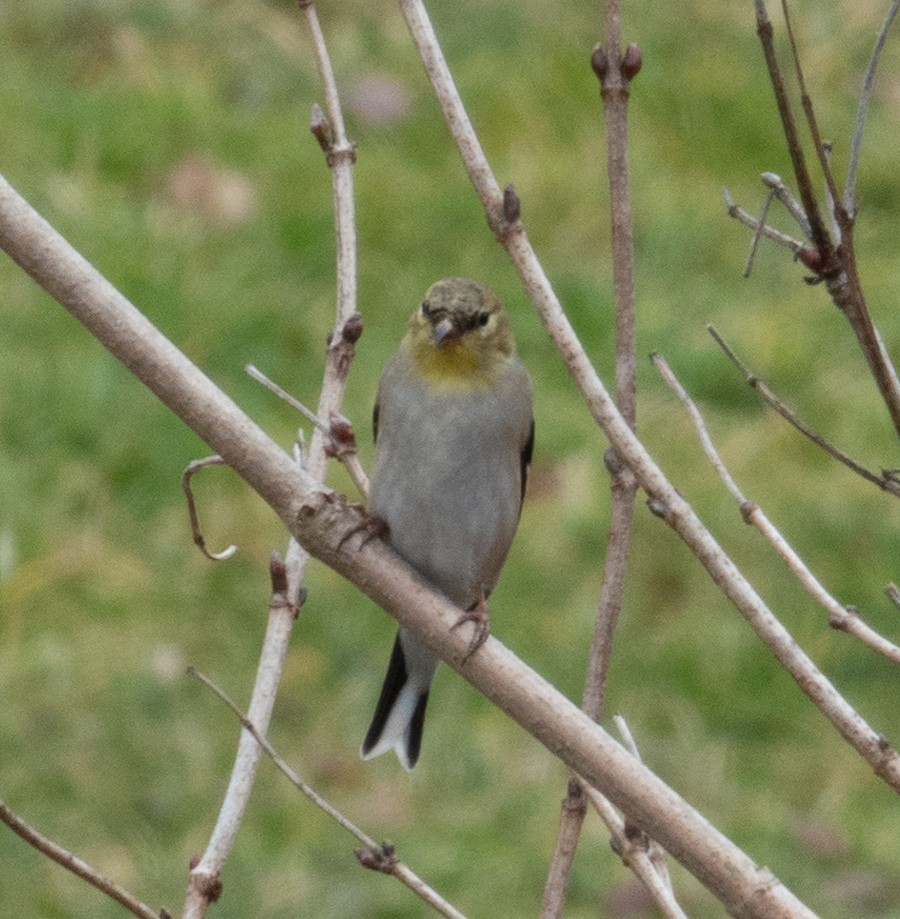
512	207
631	62
320	128
599	63
352	329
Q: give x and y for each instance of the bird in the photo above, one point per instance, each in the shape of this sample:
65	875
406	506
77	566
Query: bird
454	433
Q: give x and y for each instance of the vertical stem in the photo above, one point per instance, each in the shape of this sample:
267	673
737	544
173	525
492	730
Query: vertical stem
615	72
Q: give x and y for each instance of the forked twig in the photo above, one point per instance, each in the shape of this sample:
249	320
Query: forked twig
373	855
822	152
842	617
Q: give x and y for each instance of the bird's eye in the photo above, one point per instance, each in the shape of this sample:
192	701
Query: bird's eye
482	319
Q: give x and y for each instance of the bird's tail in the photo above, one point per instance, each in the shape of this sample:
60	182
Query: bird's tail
400	713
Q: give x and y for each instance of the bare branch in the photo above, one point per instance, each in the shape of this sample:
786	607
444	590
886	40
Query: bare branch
77	866
632	847
884	480
818	232
837	267
371	848
893	593
822	151
841	617
615	73
862	110
340	156
205	886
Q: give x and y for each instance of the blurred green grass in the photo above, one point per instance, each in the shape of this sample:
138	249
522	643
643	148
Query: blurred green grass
169	144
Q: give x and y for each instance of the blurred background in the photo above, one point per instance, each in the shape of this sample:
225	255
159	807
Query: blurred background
169	143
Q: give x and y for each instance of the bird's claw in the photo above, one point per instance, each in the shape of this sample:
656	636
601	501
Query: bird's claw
479	615
371	526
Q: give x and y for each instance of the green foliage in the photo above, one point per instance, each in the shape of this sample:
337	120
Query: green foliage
168	142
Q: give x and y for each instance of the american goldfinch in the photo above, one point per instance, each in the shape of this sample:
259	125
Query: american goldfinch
453	435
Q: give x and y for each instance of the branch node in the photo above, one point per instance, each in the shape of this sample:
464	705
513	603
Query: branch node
748	508
658	508
840	619
352	329
378	858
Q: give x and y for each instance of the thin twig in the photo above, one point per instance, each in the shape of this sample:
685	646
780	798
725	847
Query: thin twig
884	481
757	235
893	593
192	468
821	148
77	866
818	232
837	267
632	848
742	216
204	885
862	110
373	855
615	73
841	617
773	181
341	439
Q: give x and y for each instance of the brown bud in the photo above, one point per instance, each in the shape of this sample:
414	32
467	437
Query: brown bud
631	62
810	257
512	207
599	63
278	573
320	127
341	430
353	329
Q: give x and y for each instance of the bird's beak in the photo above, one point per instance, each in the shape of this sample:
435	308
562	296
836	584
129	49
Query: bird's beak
444	333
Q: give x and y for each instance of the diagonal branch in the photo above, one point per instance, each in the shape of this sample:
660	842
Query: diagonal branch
841	617
77	866
886	481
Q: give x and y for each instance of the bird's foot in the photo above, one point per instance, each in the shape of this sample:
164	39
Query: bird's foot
371	526
479	615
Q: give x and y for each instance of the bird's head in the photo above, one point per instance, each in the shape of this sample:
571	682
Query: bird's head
461	332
